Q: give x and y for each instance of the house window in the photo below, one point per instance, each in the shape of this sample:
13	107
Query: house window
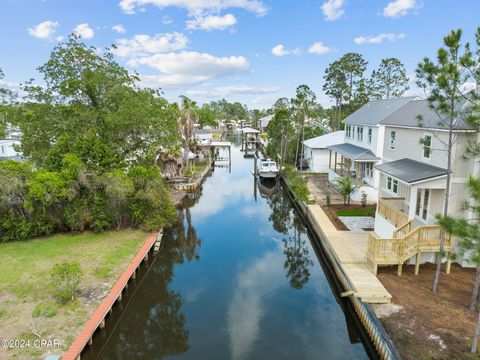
348	131
359	133
369	169
392	140
427	146
370	135
392	185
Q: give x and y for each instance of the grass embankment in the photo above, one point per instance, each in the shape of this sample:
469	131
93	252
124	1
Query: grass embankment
363	211
297	183
28	310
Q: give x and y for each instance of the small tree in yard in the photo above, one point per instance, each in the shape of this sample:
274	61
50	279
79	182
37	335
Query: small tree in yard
345	187
442	82
65	278
467	229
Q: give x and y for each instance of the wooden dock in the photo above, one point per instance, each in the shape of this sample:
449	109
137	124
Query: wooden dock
351	249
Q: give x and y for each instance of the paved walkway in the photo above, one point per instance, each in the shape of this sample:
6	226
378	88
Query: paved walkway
351	250
358	223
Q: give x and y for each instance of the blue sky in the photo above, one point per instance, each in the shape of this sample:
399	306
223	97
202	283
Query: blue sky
245	50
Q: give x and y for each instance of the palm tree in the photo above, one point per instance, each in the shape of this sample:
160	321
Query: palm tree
188	118
345	187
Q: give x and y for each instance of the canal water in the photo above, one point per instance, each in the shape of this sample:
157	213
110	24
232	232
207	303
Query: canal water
237	278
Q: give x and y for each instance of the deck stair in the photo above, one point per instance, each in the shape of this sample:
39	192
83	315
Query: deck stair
407	241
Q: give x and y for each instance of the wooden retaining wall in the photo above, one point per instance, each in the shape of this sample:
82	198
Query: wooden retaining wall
97	320
376	332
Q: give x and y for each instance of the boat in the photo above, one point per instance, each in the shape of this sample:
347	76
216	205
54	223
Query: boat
267	168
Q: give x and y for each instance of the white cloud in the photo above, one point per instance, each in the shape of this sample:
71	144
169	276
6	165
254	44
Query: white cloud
44	30
167	20
378	39
223	91
84	31
399	8
212	22
280	50
141	45
196	8
119	29
333	9
319	48
189	68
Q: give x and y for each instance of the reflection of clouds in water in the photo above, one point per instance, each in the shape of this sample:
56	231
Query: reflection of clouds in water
246	308
260	210
221	191
192	294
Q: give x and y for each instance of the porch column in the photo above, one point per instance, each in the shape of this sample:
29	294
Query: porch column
356	174
349	164
335	161
341	165
413	202
329	159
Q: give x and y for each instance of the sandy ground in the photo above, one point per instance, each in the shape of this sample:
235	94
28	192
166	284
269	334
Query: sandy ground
424	325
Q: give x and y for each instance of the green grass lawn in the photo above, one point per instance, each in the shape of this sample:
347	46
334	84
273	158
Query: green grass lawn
366	211
25	293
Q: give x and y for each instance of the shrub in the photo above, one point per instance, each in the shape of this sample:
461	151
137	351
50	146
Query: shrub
297	183
65	278
328	199
46	310
364	199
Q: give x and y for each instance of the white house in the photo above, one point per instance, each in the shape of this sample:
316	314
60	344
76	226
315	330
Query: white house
263	122
7	150
203	136
316	151
362	147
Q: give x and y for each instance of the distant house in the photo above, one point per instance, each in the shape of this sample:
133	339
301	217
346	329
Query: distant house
203	136
263	122
8	152
316	151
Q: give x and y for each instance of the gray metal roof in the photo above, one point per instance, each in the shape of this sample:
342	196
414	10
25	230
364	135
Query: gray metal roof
376	111
411	171
201	131
353	152
408	115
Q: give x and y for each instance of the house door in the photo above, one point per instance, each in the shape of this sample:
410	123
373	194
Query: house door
421	208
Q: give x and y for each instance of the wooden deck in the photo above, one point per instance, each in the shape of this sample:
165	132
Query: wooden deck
351	249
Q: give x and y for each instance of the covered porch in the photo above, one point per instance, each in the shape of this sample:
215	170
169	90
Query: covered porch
356	163
410	192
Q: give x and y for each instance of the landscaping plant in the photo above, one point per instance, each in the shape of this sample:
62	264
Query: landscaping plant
345	187
65	278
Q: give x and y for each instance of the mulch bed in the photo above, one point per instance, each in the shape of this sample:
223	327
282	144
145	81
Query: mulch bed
430	326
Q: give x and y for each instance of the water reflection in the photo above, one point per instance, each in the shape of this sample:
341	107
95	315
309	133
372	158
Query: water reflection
235	279
295	247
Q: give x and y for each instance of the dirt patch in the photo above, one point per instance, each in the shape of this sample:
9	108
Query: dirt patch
319	187
331	213
427	325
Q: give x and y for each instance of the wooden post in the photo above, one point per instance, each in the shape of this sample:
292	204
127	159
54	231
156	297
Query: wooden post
399	270
329	159
341	165
417	262
375	268
349	165
356	174
335	161
449	263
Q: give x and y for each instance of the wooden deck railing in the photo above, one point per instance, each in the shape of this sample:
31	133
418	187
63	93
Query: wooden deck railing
390	210
403	230
396	251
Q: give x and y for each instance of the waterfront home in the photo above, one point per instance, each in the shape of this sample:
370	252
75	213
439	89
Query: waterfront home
8	150
316	151
263	122
203	136
362	147
412	175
